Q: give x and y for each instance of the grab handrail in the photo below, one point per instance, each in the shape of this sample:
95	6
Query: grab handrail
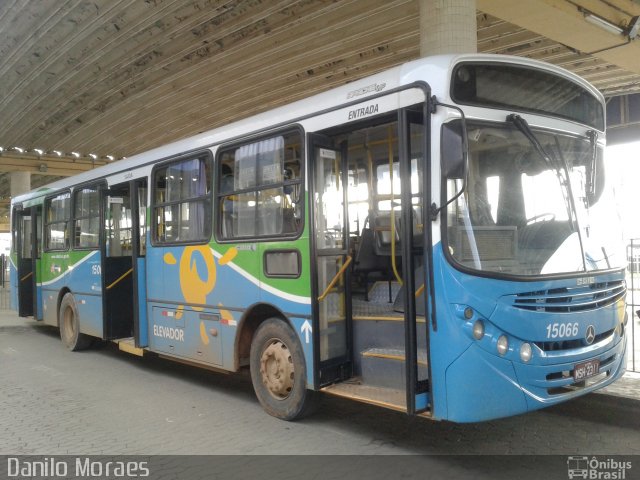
335	279
118	280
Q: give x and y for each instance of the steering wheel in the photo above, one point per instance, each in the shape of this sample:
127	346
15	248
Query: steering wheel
550	218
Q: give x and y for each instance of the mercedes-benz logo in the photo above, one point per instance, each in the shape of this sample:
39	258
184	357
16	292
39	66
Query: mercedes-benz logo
591	334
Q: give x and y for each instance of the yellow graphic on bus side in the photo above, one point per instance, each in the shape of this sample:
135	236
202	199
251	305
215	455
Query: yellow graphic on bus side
195	288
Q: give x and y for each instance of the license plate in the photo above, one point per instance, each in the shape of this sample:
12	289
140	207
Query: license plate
582	371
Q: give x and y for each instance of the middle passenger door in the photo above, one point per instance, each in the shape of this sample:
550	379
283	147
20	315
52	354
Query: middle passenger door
332	319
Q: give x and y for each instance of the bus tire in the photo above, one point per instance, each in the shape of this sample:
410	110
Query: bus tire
278	371
70	325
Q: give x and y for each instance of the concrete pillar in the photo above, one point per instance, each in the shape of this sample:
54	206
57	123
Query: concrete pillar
20	183
448	26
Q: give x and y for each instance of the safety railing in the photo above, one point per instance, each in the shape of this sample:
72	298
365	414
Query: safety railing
633	305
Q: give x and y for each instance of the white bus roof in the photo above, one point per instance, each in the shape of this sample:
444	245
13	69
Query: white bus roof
434	70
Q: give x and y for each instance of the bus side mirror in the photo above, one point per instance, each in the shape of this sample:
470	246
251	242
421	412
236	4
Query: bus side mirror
453	148
455	155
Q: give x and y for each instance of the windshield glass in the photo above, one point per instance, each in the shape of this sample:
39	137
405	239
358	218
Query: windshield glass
529	214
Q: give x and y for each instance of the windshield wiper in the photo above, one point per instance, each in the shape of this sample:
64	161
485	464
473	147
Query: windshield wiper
522	125
561	170
592	135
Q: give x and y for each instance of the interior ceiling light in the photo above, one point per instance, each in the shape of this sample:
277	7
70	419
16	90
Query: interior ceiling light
59	153
604	24
634	27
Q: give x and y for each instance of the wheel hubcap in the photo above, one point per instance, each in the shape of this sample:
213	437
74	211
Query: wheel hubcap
276	368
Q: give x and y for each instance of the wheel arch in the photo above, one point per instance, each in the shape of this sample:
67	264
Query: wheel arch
251	319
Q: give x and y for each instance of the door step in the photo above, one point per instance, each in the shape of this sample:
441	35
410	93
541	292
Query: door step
385	367
355	389
129	346
394	354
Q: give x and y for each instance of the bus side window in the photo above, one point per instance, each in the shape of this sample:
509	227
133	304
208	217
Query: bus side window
259	188
142	220
182	201
57	215
86	218
25	237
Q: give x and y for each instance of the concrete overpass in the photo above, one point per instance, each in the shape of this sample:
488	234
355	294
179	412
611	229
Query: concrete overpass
106	79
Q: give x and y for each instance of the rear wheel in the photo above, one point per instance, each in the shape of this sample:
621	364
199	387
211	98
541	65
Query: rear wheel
70	325
278	371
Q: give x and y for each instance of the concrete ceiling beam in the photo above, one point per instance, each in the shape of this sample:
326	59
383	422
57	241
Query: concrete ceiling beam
563	22
49	166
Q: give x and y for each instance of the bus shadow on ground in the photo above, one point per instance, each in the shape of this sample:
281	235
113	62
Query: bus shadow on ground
237	383
540	432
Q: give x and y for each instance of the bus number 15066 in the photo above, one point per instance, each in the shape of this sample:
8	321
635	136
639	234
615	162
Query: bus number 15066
562	330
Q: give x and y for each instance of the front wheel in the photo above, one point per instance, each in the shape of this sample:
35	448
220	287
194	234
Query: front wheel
70	325
278	371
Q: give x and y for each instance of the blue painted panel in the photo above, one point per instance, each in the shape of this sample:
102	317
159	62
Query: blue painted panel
85	276
142	303
90	314
481	387
13	282
39	305
226	288
535	385
188	334
292	306
82	278
50	306
515	386
155	273
39	314
422	401
302	327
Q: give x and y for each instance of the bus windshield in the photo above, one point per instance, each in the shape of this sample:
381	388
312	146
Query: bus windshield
533	205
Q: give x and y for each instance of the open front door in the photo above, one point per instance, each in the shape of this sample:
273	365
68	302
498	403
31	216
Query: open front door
413	299
332	319
372	259
26	261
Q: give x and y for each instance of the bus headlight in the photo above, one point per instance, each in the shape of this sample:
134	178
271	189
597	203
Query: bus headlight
478	330
525	352
503	345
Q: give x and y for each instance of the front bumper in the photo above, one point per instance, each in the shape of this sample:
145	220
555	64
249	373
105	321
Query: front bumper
483	386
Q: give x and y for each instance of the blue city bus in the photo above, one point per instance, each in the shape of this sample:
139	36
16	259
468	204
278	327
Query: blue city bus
438	239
